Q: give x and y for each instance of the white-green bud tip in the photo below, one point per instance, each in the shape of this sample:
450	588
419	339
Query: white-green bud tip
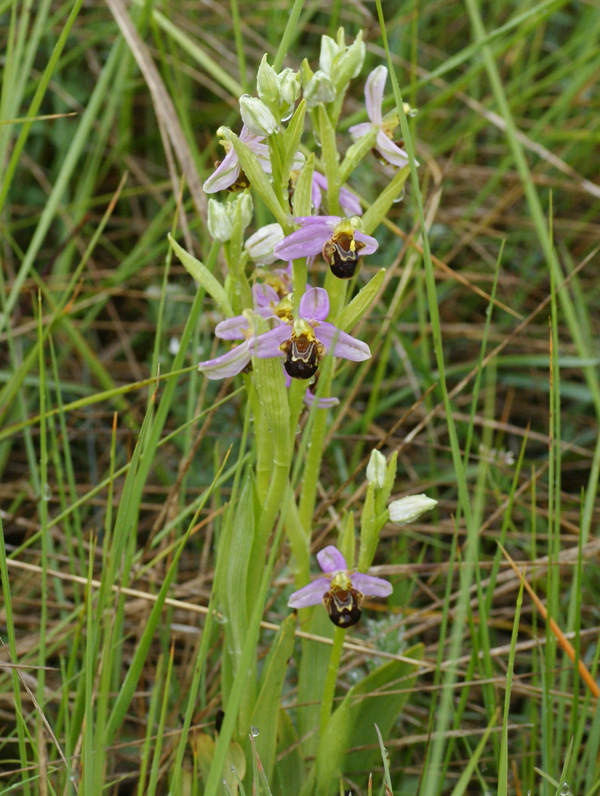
219	223
245	202
319	89
267	83
376	469
260	245
410	508
257	117
339	61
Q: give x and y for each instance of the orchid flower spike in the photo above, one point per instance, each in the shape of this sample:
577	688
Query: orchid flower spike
389	151
340	590
337	239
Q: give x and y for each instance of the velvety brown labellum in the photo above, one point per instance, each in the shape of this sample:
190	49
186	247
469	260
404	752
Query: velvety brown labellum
343	606
341	256
303	356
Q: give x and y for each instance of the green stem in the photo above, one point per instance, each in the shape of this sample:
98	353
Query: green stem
298	539
332	671
315	453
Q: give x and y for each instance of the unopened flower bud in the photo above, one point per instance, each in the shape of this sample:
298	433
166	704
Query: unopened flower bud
260	245
256	116
245	201
222	216
319	89
348	63
219	223
339	61
267	83
289	86
329	49
376	469
410	508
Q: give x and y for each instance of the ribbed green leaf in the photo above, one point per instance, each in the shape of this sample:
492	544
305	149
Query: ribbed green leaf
292	136
203	276
302	198
290	771
266	711
377	699
311	680
350	316
378	210
258	179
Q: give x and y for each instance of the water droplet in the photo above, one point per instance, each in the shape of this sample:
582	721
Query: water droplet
298	429
564	789
399	198
47	492
413	112
220	618
317	139
254	731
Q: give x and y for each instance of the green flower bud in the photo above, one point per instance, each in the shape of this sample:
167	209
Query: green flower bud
376	469
410	508
329	49
219	223
260	245
319	89
257	117
221	216
267	83
289	87
245	202
348	63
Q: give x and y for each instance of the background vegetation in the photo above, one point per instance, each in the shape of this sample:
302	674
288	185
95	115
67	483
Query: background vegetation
113	472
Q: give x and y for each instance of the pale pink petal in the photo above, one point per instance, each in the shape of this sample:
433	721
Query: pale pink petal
320	221
374	93
322	403
266	345
309	595
350	203
305	242
371	586
371	244
331	560
359	130
343	344
390	151
314	304
228	364
319	183
264	295
262	153
232	328
224	175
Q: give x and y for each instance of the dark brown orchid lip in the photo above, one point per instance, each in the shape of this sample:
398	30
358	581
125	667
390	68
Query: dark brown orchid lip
343	605
303	357
342	254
